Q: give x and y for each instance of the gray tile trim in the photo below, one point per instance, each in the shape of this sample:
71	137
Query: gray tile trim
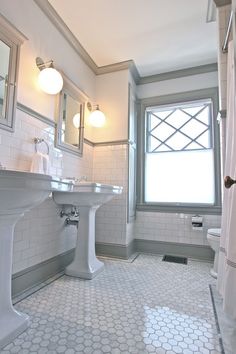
38	273
176	249
115	250
216	320
107	143
179	73
88	142
35	114
115	142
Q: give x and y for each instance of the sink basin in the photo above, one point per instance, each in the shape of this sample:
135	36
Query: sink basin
88	197
19	192
87	194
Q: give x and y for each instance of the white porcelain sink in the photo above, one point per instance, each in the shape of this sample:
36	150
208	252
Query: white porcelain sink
88	196
19	192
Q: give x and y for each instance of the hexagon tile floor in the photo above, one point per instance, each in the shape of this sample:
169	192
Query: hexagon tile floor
147	306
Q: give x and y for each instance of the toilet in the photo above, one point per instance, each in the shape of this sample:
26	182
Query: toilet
213	237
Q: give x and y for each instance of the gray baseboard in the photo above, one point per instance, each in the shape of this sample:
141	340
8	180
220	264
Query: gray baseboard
39	273
114	250
175	249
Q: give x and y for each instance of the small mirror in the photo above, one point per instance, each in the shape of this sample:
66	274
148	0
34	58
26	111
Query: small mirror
10	41
70	119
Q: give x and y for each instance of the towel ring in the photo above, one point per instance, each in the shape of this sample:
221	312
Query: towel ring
39	141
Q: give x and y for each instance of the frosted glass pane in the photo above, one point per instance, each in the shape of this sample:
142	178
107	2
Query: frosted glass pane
204	139
178	118
180	177
153	121
204	116
153	143
163	131
163	114
193	128
193	110
178	141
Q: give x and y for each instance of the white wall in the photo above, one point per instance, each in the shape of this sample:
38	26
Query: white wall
182	84
112	97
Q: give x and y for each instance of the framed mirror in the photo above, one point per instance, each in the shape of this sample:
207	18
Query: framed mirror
70	118
10	41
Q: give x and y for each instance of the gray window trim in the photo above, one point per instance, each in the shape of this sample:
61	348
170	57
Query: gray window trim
211	93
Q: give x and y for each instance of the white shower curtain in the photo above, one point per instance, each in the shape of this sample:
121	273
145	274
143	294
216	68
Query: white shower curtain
226	283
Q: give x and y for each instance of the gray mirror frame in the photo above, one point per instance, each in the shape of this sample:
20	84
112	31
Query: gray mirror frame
14	39
69	88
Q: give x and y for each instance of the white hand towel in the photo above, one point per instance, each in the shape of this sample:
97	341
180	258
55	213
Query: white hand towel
40	163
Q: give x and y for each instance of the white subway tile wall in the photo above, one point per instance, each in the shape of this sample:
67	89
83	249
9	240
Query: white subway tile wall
110	165
172	227
40	234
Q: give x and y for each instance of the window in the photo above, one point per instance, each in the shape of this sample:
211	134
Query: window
180	161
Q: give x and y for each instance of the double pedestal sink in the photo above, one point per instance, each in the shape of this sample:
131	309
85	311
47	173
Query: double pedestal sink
22	191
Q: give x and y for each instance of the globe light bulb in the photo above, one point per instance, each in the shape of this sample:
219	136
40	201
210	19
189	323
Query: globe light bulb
97	118
50	81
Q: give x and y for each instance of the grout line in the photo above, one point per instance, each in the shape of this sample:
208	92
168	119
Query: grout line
217	321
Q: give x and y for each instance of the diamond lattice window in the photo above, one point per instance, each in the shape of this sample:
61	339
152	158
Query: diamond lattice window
184	127
179	156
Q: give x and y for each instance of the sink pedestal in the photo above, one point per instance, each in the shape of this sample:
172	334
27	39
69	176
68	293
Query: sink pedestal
19	192
85	264
12	323
88	197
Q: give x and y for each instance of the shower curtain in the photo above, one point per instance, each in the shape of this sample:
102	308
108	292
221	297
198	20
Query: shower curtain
226	282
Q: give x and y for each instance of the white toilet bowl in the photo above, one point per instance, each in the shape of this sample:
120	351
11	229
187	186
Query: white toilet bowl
213	237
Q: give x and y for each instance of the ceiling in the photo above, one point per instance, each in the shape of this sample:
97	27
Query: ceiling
159	35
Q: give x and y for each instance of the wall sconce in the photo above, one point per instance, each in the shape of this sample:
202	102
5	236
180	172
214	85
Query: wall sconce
96	118
49	79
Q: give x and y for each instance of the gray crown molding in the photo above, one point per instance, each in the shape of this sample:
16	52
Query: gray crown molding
202	69
53	16
220	3
123	65
35	114
8	27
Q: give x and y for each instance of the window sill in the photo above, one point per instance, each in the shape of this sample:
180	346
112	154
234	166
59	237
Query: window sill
186	209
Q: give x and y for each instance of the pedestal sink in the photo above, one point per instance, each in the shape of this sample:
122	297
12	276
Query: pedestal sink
88	197
19	192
